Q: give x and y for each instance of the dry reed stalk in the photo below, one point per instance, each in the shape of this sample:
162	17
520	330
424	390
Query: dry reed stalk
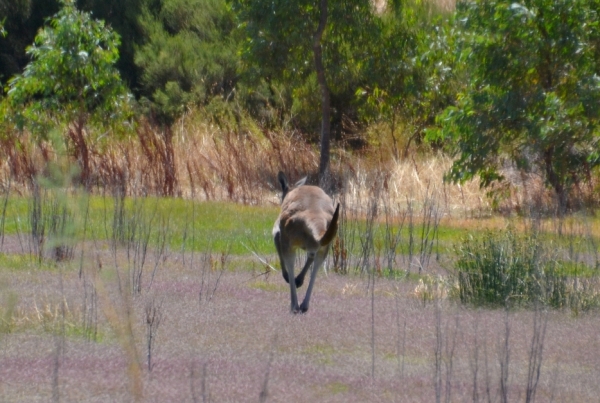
21	161
112	168
119	317
238	167
445	5
412	181
159	155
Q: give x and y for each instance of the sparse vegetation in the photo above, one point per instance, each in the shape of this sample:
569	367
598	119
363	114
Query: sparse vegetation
136	256
193	252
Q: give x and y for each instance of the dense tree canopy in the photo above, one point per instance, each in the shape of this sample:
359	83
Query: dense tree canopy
533	92
22	19
179	52
123	17
410	74
316	48
187	57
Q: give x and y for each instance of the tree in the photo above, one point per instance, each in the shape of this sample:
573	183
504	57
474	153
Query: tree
325	101
293	41
123	17
411	75
70	80
187	58
533	93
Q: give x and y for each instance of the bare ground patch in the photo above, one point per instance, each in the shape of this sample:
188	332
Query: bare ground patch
231	338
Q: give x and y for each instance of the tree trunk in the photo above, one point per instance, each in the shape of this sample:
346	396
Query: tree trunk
555	181
325	102
82	154
168	157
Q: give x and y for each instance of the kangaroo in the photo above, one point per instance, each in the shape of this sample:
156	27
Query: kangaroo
309	221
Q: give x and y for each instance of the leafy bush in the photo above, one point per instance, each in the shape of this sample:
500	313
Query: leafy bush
508	269
532	93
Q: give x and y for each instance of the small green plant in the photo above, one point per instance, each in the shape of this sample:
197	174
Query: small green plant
507	269
495	270
51	224
7	309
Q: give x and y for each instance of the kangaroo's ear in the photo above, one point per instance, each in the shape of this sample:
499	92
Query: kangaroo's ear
285	187
300	182
283	181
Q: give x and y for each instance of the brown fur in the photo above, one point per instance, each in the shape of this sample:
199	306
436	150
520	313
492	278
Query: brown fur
307	221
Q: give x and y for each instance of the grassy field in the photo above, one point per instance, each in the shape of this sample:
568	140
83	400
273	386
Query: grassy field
211	226
173	300
208	225
179	298
236	341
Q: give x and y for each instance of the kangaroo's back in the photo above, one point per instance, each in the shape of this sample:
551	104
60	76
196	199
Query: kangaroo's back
306	214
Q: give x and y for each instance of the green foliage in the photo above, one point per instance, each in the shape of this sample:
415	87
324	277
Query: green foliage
497	270
71	77
394	65
188	55
509	269
532	95
51	224
278	50
229	57
71	83
412	73
123	18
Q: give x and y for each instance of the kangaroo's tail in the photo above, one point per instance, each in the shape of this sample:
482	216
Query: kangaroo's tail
332	229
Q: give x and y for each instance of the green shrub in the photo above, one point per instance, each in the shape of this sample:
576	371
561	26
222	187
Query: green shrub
508	269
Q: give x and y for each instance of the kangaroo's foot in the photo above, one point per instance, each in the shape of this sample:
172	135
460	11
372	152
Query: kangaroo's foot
303	308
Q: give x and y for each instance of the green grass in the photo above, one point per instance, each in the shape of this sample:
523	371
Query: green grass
507	268
220	226
335	388
201	226
269	287
214	226
14	263
576	269
198	226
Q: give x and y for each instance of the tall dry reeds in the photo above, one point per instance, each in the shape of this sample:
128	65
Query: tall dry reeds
195	159
21	161
239	167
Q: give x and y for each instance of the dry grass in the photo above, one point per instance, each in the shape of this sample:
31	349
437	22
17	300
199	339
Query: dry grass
43	314
413	180
201	161
443	5
216	165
